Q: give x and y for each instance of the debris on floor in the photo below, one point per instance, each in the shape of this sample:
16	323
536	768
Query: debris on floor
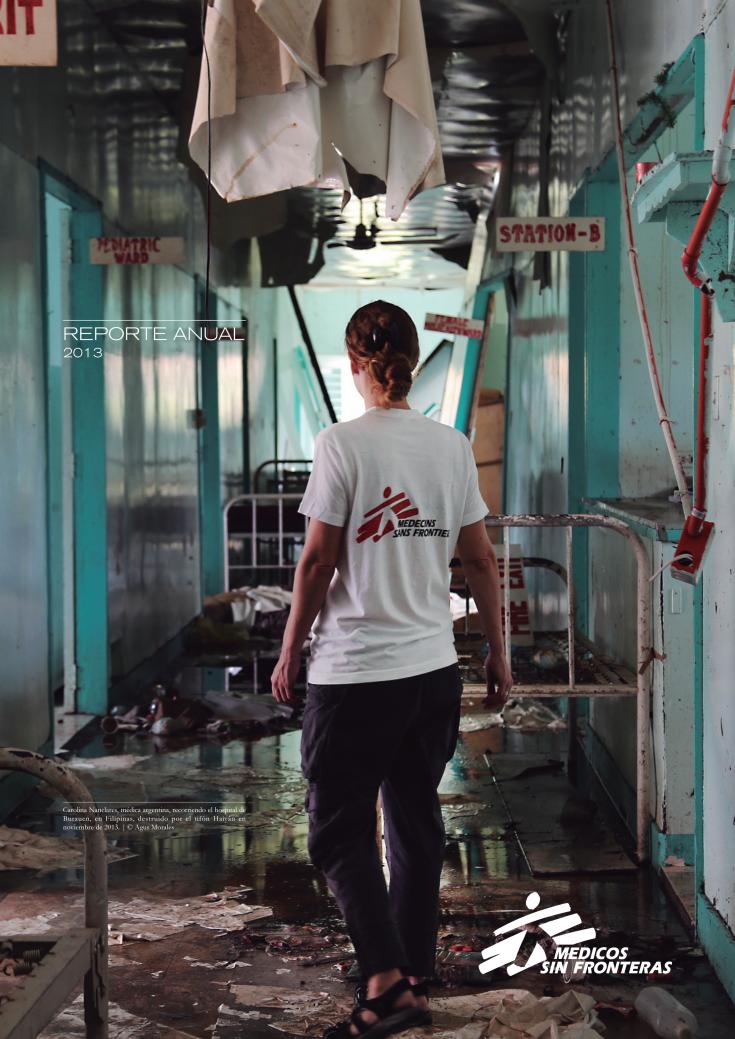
230	1021
217	713
15	965
295	1011
106	763
511	1014
247	707
21	849
245	605
140	919
527	715
306	944
69	1024
479	1006
479	720
531	714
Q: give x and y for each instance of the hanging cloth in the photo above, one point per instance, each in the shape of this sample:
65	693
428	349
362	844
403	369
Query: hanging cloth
301	90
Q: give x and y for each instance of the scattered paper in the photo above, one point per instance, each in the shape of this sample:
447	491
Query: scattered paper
139	919
21	849
106	763
516	1014
481	720
69	1024
531	715
298	1012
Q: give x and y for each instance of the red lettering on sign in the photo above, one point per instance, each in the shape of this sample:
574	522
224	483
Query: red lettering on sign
520	622
30	17
517	232
594	232
9	18
11	26
571	232
558	233
504	233
515	576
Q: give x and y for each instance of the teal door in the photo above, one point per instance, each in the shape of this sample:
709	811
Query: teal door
76	441
60	467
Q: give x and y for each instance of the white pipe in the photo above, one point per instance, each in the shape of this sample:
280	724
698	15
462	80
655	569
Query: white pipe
726	142
663	418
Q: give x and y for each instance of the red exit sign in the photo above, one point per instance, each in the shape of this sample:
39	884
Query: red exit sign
28	32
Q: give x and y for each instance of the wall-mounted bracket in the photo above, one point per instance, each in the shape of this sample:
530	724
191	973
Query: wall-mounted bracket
673	192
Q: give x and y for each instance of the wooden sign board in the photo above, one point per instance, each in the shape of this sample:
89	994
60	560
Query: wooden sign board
454	326
28	34
137	249
549	234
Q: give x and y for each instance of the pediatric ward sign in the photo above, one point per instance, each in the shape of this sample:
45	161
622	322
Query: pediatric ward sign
454	326
549	233
28	32
138	249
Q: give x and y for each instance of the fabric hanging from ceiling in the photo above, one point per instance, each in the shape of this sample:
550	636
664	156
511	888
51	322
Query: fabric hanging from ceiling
301	90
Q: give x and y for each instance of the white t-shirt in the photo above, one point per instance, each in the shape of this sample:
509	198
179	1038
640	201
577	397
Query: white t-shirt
402	486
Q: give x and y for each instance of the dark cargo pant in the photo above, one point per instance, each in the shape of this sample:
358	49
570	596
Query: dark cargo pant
395	737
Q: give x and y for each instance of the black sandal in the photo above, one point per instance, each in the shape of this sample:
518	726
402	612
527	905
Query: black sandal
420	989
391	1019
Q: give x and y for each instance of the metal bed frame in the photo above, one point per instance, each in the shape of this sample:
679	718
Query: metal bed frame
275	549
77	955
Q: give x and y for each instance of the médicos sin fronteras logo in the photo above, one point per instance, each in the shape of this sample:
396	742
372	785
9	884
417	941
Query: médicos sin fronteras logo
572	948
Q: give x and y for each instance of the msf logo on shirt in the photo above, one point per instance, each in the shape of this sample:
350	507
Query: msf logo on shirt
378	522
558	922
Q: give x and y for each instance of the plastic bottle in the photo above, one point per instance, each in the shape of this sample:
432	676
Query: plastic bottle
666	1015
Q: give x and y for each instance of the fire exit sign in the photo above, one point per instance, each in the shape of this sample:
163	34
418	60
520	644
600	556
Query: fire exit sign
550	233
28	32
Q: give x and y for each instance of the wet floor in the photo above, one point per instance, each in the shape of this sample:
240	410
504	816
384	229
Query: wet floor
507	809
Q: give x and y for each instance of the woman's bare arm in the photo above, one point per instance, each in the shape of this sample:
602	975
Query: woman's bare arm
481	570
313	576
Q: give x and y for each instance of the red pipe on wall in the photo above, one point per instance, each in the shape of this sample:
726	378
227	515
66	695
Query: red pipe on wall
690	264
693	250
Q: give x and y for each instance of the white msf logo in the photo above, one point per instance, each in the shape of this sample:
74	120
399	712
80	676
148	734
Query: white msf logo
504	952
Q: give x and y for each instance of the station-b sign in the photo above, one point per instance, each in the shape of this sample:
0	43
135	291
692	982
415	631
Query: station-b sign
550	234
28	32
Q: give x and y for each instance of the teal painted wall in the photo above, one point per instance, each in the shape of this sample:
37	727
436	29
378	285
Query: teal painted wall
136	445
496	358
152	469
231	373
57	249
262	310
692	725
24	698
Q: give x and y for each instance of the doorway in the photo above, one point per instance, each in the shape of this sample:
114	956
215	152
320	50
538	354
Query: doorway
60	454
76	450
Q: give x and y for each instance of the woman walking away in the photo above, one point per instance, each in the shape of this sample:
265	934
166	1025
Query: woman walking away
390	496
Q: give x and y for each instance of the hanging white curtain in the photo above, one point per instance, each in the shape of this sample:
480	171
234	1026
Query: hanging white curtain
295	86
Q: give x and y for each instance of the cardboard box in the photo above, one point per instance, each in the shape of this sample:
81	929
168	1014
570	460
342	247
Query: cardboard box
490	478
489	428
